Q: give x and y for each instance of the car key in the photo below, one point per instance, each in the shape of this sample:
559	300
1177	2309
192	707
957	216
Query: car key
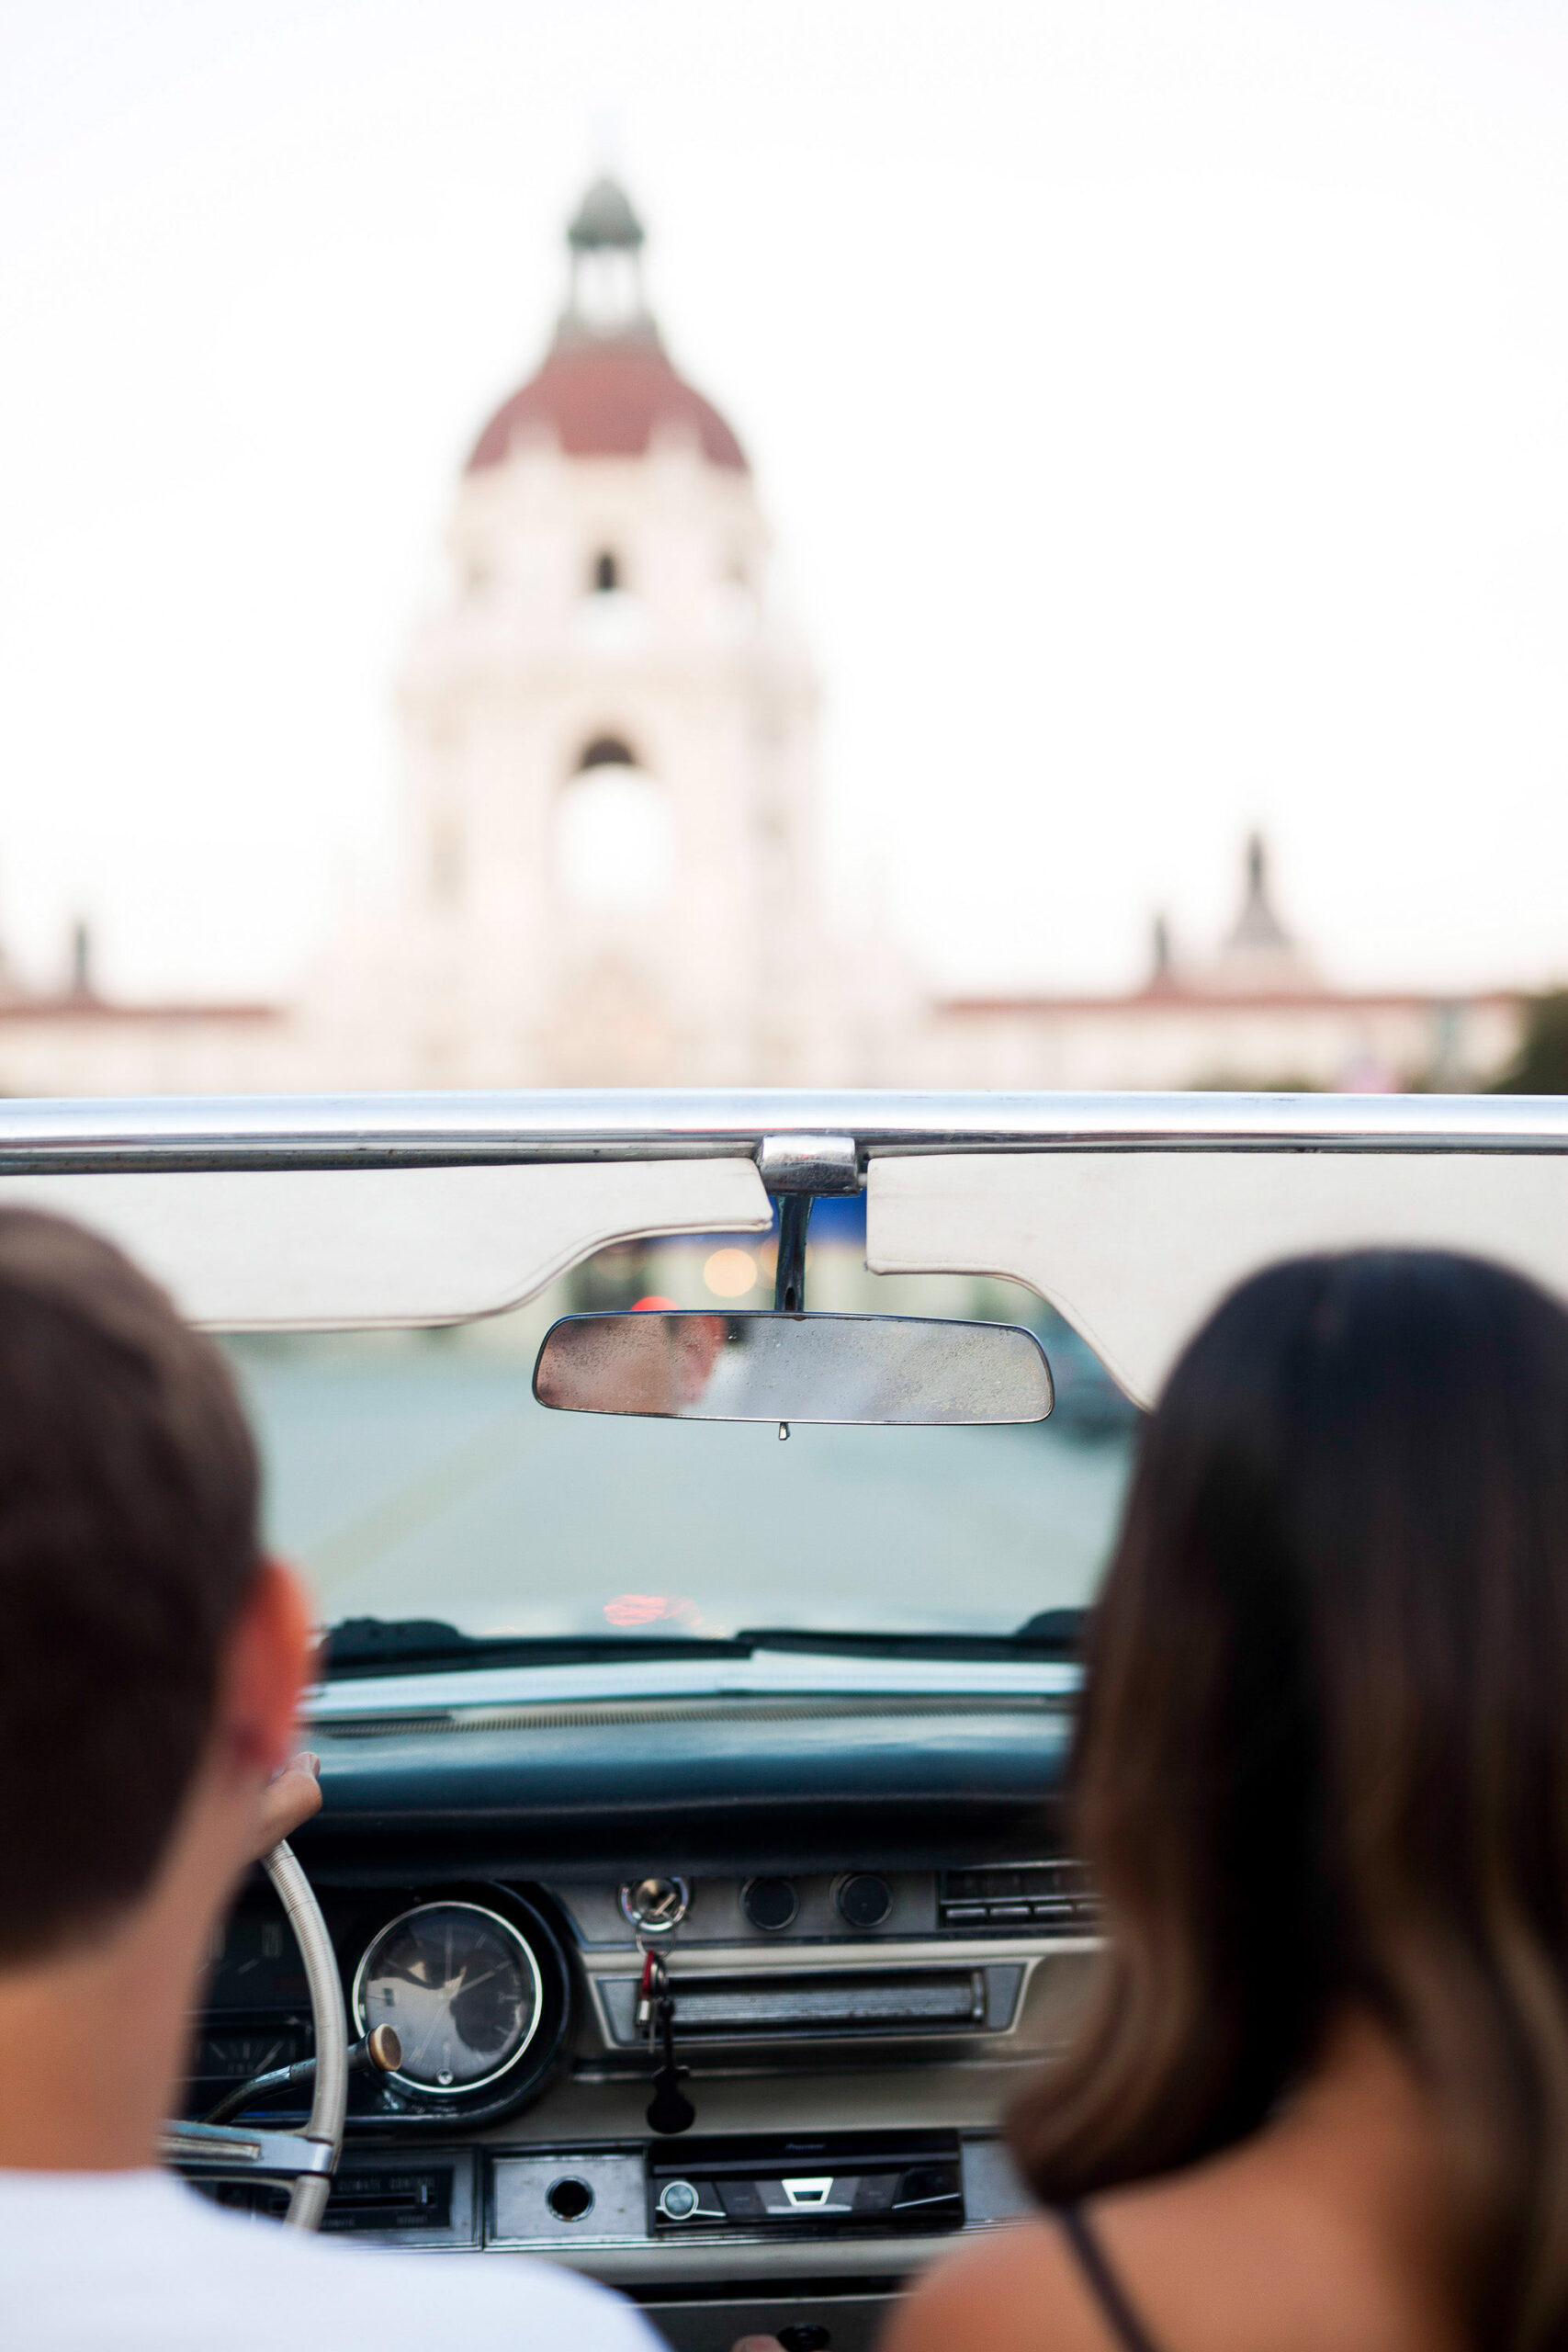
655	1977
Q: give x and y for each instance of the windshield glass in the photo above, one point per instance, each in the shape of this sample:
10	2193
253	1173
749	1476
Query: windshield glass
412	1475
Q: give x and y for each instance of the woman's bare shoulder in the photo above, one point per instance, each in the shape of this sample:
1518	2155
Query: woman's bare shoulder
1238	2254
1018	2290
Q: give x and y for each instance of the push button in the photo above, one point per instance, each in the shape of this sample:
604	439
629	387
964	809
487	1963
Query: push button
875	2192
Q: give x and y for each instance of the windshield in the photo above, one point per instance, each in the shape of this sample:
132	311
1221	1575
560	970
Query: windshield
412	1475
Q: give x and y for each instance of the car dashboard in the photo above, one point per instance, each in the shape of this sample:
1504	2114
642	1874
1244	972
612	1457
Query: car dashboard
857	1904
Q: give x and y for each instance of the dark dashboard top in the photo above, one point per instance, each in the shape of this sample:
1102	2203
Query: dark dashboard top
745	1781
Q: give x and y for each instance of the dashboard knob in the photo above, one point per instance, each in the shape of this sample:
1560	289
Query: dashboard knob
864	1900
384	2049
769	1903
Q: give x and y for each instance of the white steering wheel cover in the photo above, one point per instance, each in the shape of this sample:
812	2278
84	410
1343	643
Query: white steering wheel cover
328	2104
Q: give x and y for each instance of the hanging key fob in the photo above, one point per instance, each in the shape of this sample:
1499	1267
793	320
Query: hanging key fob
669	2110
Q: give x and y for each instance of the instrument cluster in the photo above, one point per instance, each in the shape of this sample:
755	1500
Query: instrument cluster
472	1979
475	1982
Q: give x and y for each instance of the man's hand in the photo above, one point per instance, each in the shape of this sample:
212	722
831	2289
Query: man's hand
291	1796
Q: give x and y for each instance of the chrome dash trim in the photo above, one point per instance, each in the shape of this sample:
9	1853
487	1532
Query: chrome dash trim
771	1672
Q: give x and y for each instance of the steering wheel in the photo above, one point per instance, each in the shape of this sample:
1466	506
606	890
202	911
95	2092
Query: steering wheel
307	2158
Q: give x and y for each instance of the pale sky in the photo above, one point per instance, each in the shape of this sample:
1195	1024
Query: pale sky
1162	406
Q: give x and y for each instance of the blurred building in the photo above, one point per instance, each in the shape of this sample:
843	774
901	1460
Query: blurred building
74	1040
1255	1015
609	868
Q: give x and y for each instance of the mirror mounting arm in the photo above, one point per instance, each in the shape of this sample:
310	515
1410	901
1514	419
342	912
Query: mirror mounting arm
816	1164
796	1169
789	1277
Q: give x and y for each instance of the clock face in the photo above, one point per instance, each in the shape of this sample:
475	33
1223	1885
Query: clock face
460	1986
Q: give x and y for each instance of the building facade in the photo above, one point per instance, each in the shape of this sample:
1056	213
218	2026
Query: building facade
611	864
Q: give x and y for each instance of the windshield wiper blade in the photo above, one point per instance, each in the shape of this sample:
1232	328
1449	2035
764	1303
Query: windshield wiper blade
405	1645
1054	1632
1054	1629
413	1645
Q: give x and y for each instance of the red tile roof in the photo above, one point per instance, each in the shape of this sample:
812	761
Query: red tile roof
606	400
67	1008
1171	996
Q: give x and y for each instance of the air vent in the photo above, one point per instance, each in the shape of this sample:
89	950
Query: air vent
770	2004
422	1722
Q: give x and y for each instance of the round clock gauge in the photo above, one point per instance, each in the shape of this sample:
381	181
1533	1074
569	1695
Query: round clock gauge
461	1987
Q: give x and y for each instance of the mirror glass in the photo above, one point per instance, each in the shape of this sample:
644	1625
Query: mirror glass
870	1369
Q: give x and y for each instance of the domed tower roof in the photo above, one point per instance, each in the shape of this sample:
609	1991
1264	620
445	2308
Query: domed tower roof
606	387
607	400
605	217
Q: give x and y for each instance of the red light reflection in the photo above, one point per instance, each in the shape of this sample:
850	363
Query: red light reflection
651	1609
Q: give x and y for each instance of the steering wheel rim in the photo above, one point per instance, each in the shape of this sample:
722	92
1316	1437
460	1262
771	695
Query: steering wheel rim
306	2158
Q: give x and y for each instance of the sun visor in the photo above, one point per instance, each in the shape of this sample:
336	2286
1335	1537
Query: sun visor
299	1248
1135	1248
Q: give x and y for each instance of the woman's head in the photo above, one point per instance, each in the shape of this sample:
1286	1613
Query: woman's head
1324	1751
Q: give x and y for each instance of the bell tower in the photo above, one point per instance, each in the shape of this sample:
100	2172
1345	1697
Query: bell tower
610	868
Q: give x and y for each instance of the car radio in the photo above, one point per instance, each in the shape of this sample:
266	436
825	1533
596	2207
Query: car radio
808	2188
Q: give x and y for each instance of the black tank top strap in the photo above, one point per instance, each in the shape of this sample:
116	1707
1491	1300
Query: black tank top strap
1102	2282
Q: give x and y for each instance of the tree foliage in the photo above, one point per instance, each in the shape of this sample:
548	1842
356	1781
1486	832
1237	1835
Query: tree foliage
1541	1066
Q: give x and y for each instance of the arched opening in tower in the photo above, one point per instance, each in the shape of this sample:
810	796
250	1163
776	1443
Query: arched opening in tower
606	574
615	835
607	751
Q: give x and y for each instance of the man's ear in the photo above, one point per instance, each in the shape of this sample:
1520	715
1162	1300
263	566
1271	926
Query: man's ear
265	1667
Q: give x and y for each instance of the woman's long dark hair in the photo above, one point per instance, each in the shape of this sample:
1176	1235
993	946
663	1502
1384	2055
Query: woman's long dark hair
1323	1757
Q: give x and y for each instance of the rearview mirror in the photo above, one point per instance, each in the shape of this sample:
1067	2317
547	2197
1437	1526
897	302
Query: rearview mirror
876	1370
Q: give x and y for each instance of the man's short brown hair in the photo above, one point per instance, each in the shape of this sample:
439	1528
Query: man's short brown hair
128	1491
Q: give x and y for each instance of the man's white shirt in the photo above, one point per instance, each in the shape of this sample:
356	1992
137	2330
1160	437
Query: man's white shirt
136	2262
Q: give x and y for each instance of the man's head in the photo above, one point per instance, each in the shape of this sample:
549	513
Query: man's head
130	1573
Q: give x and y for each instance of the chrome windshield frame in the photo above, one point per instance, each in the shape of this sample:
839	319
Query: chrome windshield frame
453	1129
